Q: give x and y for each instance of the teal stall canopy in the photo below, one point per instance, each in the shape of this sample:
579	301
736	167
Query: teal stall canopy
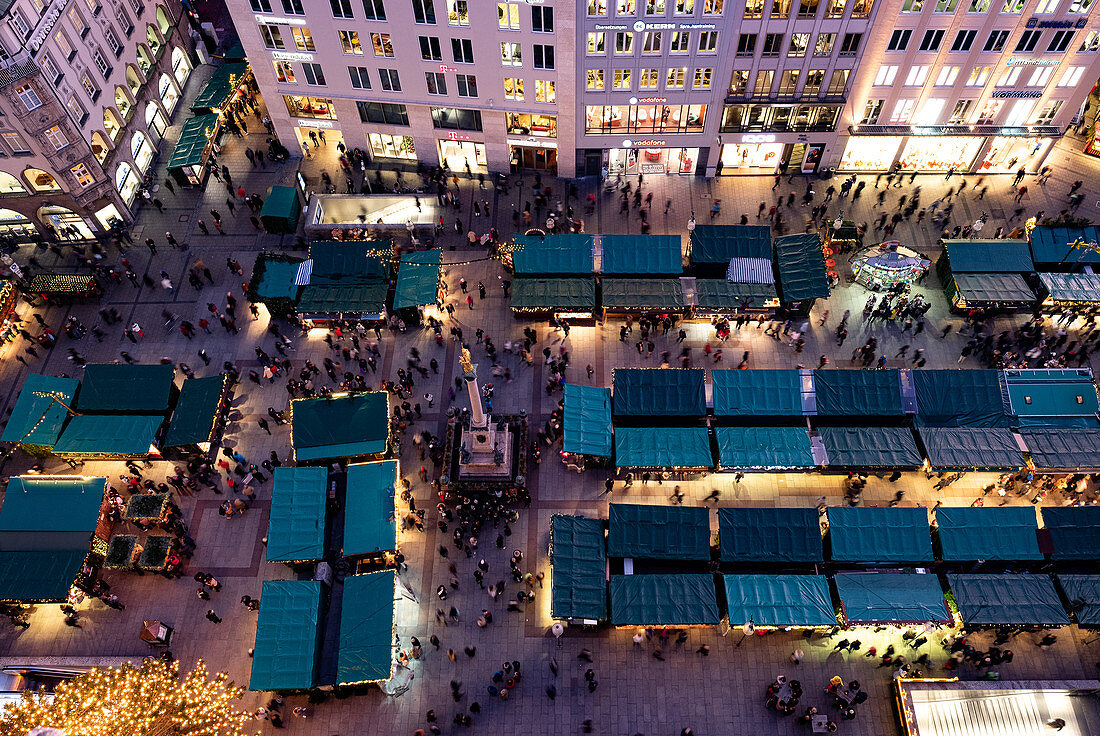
37	418
192	142
753	393
631	255
418	279
1072	287
281	210
969	534
870	447
1053	398
660	294
348	426
278	278
220	86
354	299
334	262
721	294
44	513
587	421
539	294
801	264
664	447
296	526
879	534
1051	245
568	255
578	578
976	288
779	600
196	411
1061	449
671	392
886	597
961	398
287	634
124	435
858	393
1083	594
769	535
123	388
989	256
971	448
1006	600
658	532
1074	531
663	600
764	448
40	575
370	526
722	243
366	628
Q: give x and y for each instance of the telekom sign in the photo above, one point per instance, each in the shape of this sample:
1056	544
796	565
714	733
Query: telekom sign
452	136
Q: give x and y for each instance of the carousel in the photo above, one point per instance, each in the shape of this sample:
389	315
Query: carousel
888	266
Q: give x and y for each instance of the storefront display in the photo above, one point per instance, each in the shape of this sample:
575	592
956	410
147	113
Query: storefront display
740	156
1007	155
384	145
887	265
15	224
457	155
652	160
645	118
541	156
870	153
940	153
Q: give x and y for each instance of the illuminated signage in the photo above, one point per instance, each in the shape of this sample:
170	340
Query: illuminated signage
758	138
45	26
452	136
280	21
1018	94
1017	61
444	68
604	27
631	144
291	56
314	123
1036	23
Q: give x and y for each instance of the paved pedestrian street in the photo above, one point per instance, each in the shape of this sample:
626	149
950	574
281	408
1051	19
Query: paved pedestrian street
721	693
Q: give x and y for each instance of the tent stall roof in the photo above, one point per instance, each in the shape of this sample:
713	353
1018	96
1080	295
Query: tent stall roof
366	628
662	447
287	634
192	141
643	294
553	254
50	513
751	271
296	525
870	447
281	210
196	411
879	534
351	299
801	264
658	532
993	287
1056	397
752	393
723	294
109	434
1072	287
887	597
1074	531
989	256
779	600
346	426
663	600
769	535
587	420
858	393
996	600
532	292
961	398
1050	245
764	448
418	279
977	448
278	280
220	86
120	388
660	392
1059	449
39	575
36	419
370	525
1007	533
333	262
721	243
641	254
578	578
1083	593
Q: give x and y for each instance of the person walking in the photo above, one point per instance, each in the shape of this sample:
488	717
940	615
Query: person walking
213	617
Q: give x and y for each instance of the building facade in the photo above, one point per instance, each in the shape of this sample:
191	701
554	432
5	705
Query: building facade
88	90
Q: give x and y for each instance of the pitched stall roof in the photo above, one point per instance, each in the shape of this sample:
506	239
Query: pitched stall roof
978	448
578	578
553	254
40	575
121	388
36	418
641	254
357	424
993	287
997	600
587	421
662	447
886	597
769	535
660	392
1058	449
1050	245
109	434
1072	287
801	264
296	525
532	292
721	243
643	294
418	279
764	448
723	294
220	86
370	526
366	628
870	447
988	533
879	534
287	633
989	256
663	600
192	141
196	411
1053	398
779	600
1074	531
753	393
658	532
961	398
351	299
42	512
1083	594
342	262
858	393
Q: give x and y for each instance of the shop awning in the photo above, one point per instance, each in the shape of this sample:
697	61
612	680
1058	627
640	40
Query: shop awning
1072	287
720	243
578	576
1074	531
858	393
779	600
658	532
196	411
351	300
366	628
50	513
287	634
1050	246
989	256
971	448
801	264
728	295
870	447
39	412
1004	533
1083	594
752	393
125	435
961	398
1052	398
296	525
342	262
370	526
192	142
764	448
977	288
220	86
1006	600
630	255
587	420
345	426
879	534
663	600
751	271
772	535
418	279
281	210
655	392
1059	449
39	576
662	447
553	254
540	294
660	294
886	597
121	388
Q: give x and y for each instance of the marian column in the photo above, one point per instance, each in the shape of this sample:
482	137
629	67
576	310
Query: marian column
478	419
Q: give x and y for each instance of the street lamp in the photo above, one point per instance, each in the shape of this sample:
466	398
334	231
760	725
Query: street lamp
749	629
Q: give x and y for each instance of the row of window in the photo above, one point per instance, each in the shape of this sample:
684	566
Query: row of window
1014	76
779	118
597	8
1022	112
652	42
1029	40
799	44
813	83
674	78
458	12
1045	7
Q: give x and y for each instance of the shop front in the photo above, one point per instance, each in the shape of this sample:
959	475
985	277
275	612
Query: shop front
392	147
457	152
870	153
533	154
169	92
16	225
1007	155
65	224
652	159
748	157
940	153
310	131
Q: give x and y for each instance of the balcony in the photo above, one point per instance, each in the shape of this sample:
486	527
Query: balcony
20	66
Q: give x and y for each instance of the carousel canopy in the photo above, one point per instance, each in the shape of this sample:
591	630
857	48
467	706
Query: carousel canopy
579	575
721	243
1083	594
36	418
343	426
764	448
801	264
885	597
879	534
660	392
366	628
533	292
1058	449
418	279
662	447
587	420
1000	600
296	526
858	393
661	294
370	525
553	254
771	535
989	256
870	447
1051	245
658	532
122	388
779	600
192	141
753	393
1074	532
712	294
631	255
196	411
1006	533
892	260
993	287
977	448
961	398
125	435
1072	287
1053	398
663	600
287	636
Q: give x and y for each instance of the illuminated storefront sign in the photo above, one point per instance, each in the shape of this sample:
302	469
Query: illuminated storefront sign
638	144
280	21
45	26
1018	94
452	136
314	123
758	138
1017	61
291	56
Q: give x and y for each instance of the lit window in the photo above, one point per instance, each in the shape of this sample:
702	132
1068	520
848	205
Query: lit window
382	45
544	91
702	78
595	78
622	79
596	44
56	137
513	88
82	175
349	41
28	97
676	78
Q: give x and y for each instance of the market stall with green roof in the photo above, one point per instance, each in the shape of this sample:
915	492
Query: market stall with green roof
274	282
370	527
366	644
770	536
551	255
1072	450
961	398
873	535
663	600
971	448
187	162
588	432
996	533
578	574
281	210
199	414
40	413
1083	594
296	524
868	598
1055	397
344	280
664	448
1052	249
568	298
342	425
121	388
288	634
649	532
110	436
1074	532
418	276
664	392
640	255
764	449
779	601
220	88
1062	291
750	395
858	393
869	447
800	262
1007	600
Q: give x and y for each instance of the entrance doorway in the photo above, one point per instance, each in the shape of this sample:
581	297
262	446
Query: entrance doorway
65	223
317	145
457	154
653	160
533	157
